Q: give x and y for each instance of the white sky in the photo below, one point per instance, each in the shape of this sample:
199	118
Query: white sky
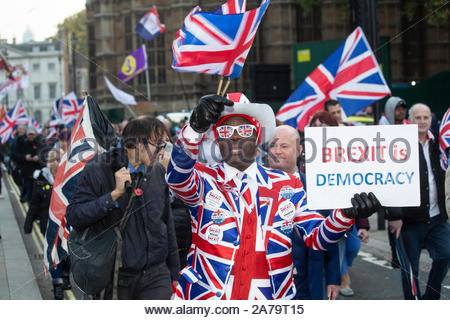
41	16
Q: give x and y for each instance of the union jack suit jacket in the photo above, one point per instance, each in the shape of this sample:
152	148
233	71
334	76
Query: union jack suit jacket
281	206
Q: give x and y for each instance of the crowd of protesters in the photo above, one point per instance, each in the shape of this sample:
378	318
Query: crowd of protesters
162	240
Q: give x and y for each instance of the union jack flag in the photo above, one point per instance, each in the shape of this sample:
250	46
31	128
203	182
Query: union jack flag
55	116
34	123
19	81
16	116
81	149
350	75
149	26
444	139
232	7
216	43
70	109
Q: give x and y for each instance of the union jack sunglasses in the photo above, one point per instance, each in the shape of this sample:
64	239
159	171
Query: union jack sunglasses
244	130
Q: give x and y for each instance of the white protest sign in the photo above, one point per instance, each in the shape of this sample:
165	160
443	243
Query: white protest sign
342	161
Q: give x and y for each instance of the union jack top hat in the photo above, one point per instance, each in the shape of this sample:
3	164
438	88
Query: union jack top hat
260	115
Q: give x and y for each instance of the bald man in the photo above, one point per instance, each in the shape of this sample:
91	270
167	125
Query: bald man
284	149
425	226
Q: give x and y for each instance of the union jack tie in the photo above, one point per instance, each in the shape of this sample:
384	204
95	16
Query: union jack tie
246	195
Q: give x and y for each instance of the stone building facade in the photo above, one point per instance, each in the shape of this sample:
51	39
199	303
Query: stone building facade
416	53
46	81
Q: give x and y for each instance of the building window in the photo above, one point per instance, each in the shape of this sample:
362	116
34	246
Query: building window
52	90
128	34
51	66
37	91
151	75
141	78
38	116
161	58
36	66
156	53
161	75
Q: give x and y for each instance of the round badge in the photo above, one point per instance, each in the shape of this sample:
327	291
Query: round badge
218	216
213	200
286	210
214	234
286	227
287	192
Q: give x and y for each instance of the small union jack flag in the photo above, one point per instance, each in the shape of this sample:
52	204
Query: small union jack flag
34	123
16	116
350	75
70	110
444	139
216	43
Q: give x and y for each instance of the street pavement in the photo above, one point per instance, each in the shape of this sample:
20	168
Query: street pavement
17	279
22	274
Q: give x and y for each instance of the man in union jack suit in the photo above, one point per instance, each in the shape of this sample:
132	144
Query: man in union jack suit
243	214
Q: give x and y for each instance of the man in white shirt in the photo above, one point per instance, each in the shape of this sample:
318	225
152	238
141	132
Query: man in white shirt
425	226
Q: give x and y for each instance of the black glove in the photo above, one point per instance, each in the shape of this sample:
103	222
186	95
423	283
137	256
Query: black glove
363	206
208	112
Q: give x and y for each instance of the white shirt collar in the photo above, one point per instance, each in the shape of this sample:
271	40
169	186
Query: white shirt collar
231	172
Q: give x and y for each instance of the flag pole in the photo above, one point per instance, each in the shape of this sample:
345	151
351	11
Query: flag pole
226	86
148	84
220	85
130	110
147	78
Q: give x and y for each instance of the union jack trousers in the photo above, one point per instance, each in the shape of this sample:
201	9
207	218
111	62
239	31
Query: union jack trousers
214	206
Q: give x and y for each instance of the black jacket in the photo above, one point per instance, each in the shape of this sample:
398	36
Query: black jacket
42	192
40	199
149	237
421	214
182	221
22	148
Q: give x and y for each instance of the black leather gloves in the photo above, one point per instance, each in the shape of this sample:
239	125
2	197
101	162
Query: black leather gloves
363	206
208	111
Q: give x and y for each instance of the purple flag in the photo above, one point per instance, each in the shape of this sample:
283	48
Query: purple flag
134	64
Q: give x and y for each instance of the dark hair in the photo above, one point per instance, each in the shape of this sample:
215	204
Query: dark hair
330	103
139	130
324	117
64	134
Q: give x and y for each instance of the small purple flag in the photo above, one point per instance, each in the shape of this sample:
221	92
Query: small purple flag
134	64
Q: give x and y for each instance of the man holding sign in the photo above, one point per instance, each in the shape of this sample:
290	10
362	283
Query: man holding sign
425	225
242	213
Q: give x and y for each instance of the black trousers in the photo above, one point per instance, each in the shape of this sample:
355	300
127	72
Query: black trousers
152	284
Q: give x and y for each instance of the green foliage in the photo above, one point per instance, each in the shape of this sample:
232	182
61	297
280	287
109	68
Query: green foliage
438	11
74	25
